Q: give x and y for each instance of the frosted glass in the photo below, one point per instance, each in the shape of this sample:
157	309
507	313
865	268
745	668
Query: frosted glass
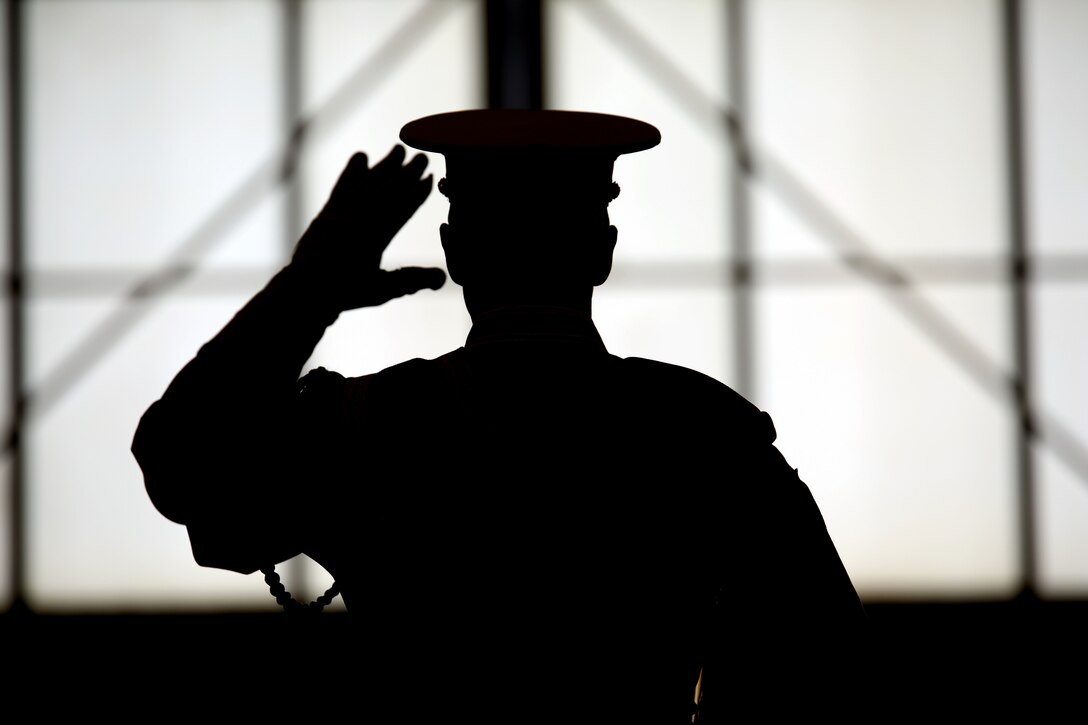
442	72
1060	354
689	327
1060	357
910	459
1063	537
687	33
889	113
1056	51
146	119
205	138
84	320
95	539
979	320
142	120
673	201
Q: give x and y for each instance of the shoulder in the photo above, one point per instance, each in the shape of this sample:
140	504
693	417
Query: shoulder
320	382
676	386
324	391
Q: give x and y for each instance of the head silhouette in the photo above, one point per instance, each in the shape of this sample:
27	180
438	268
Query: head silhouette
529	194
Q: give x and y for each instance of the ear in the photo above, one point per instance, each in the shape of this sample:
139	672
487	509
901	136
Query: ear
603	246
455	262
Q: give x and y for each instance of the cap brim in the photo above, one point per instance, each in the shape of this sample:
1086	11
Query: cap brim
526	130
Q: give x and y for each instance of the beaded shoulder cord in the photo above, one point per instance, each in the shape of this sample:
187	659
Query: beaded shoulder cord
289	603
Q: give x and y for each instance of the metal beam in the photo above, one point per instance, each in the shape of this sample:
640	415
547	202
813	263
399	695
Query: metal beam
1019	271
854	252
515	54
743	299
183	262
16	307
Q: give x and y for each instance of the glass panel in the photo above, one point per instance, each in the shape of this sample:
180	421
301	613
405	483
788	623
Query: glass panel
1061	357
689	327
1056	49
436	69
909	458
183	103
889	113
95	538
1063	536
436	72
673	201
1056	52
979	323
426	325
86	323
143	119
688	35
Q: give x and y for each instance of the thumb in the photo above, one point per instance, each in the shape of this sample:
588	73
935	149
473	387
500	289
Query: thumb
409	280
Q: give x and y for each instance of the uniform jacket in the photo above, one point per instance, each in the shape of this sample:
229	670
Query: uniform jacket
527	498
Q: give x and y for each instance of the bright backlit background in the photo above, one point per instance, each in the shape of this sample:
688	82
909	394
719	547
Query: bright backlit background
851	278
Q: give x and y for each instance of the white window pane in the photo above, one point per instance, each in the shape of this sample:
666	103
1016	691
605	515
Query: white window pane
95	538
1056	54
1056	49
674	196
688	35
1062	354
85	319
439	70
909	458
689	327
1063	535
890	113
425	325
84	481
1061	394
142	119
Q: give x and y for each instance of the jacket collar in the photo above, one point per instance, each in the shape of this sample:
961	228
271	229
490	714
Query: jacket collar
536	324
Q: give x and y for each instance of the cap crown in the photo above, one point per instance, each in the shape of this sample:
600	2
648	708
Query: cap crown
514	155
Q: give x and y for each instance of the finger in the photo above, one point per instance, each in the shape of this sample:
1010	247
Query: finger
394	283
418	278
354	170
423	190
408	202
393	159
358	160
356	166
417	165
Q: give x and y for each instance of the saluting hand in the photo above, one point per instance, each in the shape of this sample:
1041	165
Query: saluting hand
340	254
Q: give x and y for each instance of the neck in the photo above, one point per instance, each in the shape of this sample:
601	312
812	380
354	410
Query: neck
482	302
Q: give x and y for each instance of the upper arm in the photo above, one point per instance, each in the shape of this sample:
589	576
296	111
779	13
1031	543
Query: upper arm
229	467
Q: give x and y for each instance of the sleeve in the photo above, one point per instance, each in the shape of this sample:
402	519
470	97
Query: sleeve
223	450
786	607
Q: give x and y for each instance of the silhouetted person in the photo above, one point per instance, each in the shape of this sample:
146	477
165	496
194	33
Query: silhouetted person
536	525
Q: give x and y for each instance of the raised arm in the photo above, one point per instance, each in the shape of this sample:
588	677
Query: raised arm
220	451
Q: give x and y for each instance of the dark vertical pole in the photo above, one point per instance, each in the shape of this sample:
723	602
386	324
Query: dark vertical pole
292	114
16	304
515	53
1019	272
291	106
741	269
